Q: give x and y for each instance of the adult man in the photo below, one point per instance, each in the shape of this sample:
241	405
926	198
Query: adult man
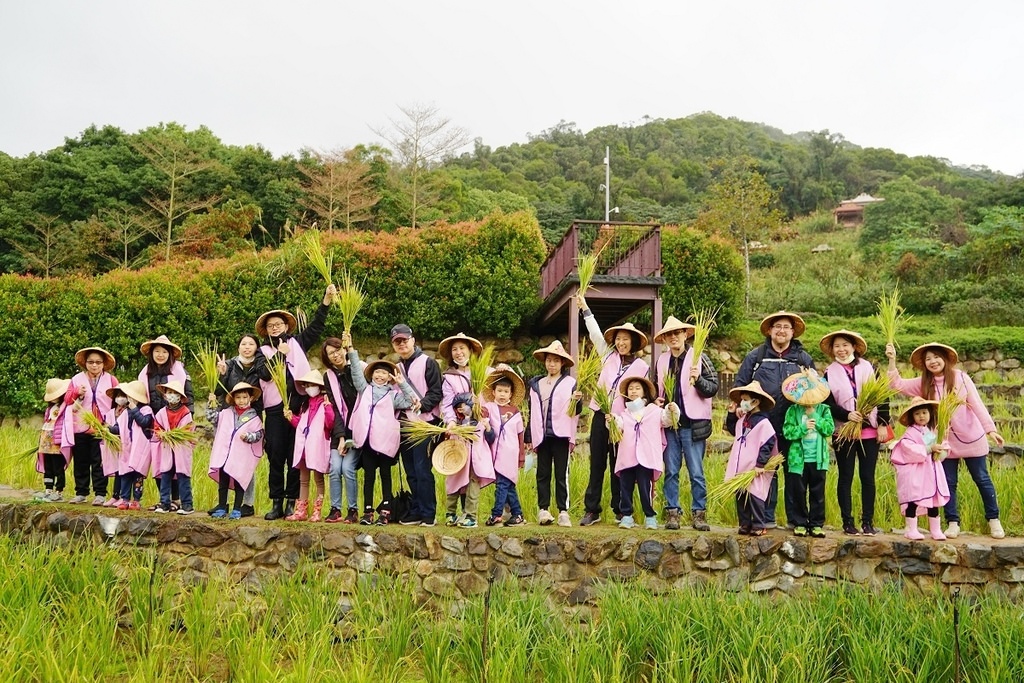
424	374
281	346
780	356
696	382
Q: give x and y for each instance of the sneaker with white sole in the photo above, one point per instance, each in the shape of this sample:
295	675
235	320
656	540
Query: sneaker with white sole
953	530
995	529
77	500
98	501
55	497
627	522
563	519
544	518
651	523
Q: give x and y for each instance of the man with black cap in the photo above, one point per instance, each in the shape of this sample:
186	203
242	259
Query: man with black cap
780	356
424	374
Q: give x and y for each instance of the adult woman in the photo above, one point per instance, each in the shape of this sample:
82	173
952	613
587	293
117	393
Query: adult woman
248	367
87	392
620	347
969	426
846	376
456	351
344	458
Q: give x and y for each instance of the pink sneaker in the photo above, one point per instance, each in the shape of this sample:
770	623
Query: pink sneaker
122	505
134	505
112	503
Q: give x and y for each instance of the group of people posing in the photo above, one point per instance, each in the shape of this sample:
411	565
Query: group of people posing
329	424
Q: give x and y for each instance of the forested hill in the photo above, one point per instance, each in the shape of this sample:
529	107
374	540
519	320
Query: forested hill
661	169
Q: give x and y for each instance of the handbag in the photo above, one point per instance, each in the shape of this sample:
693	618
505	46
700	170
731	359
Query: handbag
885	433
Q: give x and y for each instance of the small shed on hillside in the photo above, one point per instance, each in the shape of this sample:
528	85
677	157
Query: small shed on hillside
850	212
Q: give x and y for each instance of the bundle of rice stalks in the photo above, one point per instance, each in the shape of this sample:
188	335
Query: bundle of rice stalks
206	358
891	316
586	267
948	404
727	490
279	375
323	263
350	299
101	430
703	323
670	391
417	432
179	436
588	370
604	402
479	368
875	392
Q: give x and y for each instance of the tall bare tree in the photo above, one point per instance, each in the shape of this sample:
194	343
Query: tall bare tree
419	141
114	233
337	188
176	163
49	245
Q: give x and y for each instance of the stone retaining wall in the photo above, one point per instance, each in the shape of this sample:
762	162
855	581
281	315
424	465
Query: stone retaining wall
572	565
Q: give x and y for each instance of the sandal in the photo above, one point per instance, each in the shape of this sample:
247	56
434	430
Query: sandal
759	532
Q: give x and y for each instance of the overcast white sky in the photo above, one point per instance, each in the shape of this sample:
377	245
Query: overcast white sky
939	78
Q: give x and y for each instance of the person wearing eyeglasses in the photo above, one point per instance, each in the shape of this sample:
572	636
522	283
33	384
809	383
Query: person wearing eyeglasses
780	356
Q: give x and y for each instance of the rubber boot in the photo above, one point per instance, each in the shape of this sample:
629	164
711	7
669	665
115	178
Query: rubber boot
300	512
912	532
289	507
935	529
276	511
317	506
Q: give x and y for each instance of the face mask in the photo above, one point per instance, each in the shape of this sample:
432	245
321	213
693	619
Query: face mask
172	398
845	361
313	391
746	406
121	400
636	405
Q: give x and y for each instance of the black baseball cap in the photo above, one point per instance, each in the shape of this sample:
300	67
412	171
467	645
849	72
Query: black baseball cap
401	330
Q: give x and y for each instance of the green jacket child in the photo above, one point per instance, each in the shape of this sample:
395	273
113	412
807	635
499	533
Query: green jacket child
805	447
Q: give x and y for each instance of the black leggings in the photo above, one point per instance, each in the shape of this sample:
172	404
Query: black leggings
848	453
553	460
223	484
53	471
602	457
372	463
912	511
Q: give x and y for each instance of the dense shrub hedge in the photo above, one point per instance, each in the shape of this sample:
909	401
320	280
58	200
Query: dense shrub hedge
481	277
701	272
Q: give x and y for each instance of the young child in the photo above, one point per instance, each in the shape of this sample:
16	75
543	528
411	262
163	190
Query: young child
639	462
50	462
312	453
117	421
552	432
477	473
754	445
174	461
504	392
920	479
137	453
808	425
237	447
376	431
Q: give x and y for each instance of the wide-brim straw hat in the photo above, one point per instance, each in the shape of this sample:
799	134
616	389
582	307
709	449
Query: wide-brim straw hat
135	390
671	325
518	386
108	358
261	322
255	392
311	377
609	335
805	388
917	355
915	403
860	346
799	326
450	456
555	348
55	388
444	349
755	389
174	385
650	391
162	340
374	364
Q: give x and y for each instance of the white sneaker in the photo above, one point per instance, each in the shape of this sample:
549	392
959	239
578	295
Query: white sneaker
627	522
953	530
42	496
55	497
563	519
651	523
77	500
544	518
99	500
995	529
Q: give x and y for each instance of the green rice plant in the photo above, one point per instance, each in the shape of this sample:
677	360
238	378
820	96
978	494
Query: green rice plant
279	375
586	268
949	403
891	316
874	393
322	262
604	402
417	431
588	370
350	299
703	322
479	369
727	489
178	436
206	359
100	429
670	392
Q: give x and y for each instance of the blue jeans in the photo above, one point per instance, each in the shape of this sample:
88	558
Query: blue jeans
978	467
418	472
184	487
679	446
505	492
131	486
344	467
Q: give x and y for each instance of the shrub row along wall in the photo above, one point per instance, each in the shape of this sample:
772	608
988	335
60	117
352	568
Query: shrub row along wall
481	278
573	567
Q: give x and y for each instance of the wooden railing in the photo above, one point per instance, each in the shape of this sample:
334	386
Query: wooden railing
627	250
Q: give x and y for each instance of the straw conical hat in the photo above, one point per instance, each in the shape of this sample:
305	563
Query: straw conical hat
805	388
450	456
55	388
312	377
255	392
374	364
916	403
650	391
609	335
555	348
671	325
261	322
444	349
136	390
860	346
799	326
755	389
917	355
108	358
174	385
163	341
518	386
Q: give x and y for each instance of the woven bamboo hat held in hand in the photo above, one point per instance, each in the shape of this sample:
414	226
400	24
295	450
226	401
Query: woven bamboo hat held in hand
450	456
805	388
